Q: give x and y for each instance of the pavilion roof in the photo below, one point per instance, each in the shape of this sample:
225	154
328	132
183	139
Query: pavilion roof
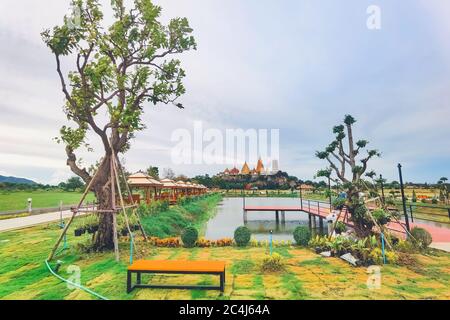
168	183
143	180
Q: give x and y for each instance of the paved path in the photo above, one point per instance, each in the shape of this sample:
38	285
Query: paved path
24	222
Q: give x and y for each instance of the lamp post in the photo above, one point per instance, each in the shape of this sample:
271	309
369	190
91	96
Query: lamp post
29	206
329	190
382	188
403	196
301	197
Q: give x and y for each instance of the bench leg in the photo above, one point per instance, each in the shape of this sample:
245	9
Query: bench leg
138	278
129	288
222	281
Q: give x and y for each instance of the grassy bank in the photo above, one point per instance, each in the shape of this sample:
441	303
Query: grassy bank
17	200
306	275
171	222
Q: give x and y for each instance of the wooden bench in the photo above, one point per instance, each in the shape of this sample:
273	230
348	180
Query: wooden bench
175	267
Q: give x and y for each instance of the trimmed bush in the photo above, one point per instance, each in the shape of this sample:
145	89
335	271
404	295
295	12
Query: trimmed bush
302	235
422	236
242	236
189	237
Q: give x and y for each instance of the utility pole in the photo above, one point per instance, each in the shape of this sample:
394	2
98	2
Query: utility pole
403	196
329	190
382	188
301	197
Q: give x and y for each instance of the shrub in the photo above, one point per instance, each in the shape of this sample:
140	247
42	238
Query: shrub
405	246
224	242
242	236
319	244
422	236
272	263
189	237
381	217
302	235
434	201
338	203
340	227
376	256
204	243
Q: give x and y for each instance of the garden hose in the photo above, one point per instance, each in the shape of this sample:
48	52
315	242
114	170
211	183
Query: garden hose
73	283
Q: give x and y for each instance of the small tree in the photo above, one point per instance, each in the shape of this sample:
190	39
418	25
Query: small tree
153	172
116	70
73	183
346	165
444	190
414	196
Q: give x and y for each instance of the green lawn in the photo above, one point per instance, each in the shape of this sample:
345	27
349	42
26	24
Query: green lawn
23	274
17	200
307	275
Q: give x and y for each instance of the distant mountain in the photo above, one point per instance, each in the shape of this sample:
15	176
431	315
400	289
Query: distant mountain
16	180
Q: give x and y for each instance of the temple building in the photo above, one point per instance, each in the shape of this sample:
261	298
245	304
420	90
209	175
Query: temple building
258	170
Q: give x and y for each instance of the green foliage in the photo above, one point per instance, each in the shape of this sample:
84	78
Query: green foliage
422	236
119	67
242	236
405	246
272	263
319	244
189	237
340	227
153	172
381	217
72	184
338	203
414	196
302	235
172	221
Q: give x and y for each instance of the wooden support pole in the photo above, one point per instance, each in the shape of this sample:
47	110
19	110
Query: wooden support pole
113	205
119	166
309	221
74	212
121	199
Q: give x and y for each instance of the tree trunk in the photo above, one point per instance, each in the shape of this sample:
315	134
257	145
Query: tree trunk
104	239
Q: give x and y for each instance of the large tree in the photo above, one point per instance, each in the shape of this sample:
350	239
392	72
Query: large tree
116	69
347	165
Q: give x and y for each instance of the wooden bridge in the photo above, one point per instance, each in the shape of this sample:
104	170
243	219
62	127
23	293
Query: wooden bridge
320	210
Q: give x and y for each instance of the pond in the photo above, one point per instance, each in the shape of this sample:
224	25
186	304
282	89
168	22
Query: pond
230	216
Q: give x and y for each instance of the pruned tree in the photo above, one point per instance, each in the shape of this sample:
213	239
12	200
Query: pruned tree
444	189
116	70
347	165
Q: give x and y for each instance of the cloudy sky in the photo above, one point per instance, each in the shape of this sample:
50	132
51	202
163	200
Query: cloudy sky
298	66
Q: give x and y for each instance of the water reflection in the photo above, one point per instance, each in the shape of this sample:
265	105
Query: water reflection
230	216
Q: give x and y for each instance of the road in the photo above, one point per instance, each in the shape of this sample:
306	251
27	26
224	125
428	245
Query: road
24	222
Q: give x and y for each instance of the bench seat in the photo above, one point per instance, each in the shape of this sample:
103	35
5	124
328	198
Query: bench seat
175	267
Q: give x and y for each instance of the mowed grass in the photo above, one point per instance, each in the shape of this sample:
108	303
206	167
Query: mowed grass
17	200
307	275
